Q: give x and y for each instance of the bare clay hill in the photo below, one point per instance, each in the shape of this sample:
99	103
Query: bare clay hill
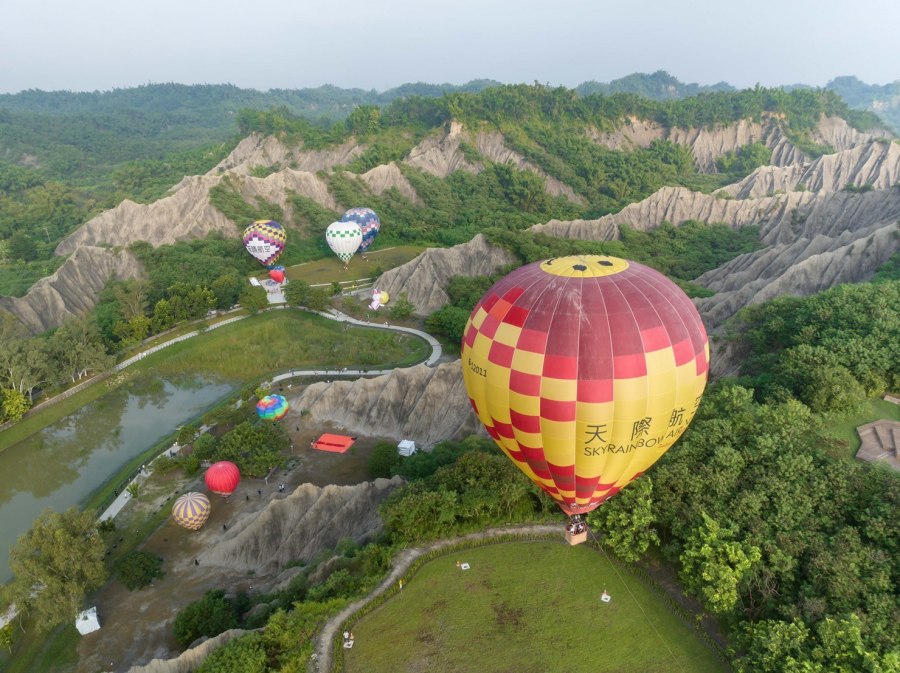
796	200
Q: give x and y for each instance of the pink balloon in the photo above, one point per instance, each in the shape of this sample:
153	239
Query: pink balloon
276	275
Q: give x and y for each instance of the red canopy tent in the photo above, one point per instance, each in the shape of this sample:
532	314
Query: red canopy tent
333	443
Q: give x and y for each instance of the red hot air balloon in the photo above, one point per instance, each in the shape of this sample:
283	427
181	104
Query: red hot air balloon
585	370
277	275
222	478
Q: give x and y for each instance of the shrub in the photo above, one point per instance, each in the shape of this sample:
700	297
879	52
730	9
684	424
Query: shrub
209	616
138	569
383	460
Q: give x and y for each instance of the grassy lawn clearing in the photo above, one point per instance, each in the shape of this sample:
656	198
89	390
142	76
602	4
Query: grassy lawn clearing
845	429
526	607
275	341
332	269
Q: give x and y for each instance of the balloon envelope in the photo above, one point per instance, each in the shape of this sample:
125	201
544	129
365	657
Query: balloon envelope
343	238
265	239
191	510
272	407
368	222
384	297
276	275
222	477
584	370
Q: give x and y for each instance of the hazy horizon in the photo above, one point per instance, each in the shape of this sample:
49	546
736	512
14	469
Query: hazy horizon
101	45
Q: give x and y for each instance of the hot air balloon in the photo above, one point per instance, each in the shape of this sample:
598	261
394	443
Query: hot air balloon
222	478
343	238
385	297
368	223
191	510
272	407
277	275
265	239
584	370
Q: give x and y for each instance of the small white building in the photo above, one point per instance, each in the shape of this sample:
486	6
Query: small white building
406	447
86	621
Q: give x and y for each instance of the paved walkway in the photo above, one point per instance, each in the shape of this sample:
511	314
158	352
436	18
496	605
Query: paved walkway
321	662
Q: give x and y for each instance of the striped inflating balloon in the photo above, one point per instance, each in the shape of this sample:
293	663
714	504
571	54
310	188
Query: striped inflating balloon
191	510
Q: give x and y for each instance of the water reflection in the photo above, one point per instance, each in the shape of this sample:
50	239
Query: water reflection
64	463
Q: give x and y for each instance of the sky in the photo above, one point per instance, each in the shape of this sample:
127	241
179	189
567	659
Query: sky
100	45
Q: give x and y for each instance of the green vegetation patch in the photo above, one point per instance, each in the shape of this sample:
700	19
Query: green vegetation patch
526	607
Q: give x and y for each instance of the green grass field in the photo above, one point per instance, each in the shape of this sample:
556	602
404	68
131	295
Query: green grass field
276	341
526	607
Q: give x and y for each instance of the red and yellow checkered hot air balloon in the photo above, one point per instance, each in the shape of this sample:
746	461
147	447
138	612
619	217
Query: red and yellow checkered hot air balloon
584	370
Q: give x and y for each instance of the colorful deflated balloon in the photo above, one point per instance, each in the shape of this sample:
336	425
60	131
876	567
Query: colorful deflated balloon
191	510
585	370
343	238
368	222
222	477
265	239
272	407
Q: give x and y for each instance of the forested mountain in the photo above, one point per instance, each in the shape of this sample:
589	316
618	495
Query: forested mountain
659	85
883	100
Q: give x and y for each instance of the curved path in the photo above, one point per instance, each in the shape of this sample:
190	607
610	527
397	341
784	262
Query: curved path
402	562
333	314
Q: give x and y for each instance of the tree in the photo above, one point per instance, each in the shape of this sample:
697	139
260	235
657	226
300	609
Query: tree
773	646
449	321
254	448
132	298
626	521
401	308
56	564
210	616
296	293
13	405
227	289
246	654
383	459
24	363
77	349
714	566
138	569
131	332
20	246
253	299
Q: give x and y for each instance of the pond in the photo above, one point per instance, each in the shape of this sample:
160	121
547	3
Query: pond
66	462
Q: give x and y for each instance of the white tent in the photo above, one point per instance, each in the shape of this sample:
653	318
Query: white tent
406	447
86	622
